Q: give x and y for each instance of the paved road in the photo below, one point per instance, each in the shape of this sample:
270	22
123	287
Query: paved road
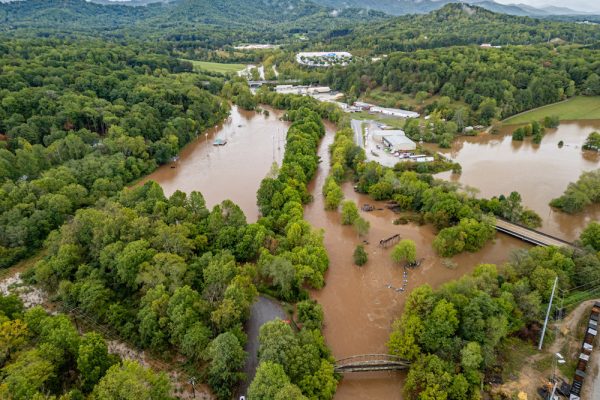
358	134
262	311
528	234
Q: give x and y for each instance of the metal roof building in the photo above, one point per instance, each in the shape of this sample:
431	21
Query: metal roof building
399	143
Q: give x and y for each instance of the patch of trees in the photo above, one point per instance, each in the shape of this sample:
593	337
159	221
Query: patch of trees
44	355
453	334
167	274
298	258
83	119
477	85
292	365
534	129
580	194
592	142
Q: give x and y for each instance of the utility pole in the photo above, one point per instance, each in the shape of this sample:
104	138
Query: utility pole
547	315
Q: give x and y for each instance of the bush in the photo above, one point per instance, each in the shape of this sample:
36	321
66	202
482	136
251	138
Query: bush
349	212
551	121
518	134
310	314
469	235
592	142
360	256
406	250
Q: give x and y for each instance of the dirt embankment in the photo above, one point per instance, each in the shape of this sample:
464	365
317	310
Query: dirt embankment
538	368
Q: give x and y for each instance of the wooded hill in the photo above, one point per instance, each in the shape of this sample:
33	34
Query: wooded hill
207	23
459	24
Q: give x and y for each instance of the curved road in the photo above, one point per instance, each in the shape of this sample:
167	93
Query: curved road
262	311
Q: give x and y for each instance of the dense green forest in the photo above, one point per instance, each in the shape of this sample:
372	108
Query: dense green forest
477	85
181	24
82	119
44	356
94	97
169	274
459	24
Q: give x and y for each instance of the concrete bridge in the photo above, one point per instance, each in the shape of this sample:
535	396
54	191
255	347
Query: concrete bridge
371	362
529	235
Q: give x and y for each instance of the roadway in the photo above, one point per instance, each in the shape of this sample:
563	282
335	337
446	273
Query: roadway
528	235
261	312
358	132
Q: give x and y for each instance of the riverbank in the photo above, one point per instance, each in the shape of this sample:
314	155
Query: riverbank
573	109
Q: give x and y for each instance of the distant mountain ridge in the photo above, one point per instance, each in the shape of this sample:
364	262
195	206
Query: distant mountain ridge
214	22
403	7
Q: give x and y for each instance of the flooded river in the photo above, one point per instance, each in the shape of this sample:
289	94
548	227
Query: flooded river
233	171
495	165
359	307
358	303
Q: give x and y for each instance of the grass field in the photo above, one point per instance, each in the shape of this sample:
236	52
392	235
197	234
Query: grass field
576	108
217	67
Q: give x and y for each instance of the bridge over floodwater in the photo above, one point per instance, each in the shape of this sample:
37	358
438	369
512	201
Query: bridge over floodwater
371	362
530	235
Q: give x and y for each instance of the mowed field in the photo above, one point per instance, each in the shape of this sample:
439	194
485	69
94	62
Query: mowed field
576	108
217	67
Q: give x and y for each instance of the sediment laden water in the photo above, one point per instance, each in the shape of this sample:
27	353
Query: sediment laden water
361	303
495	165
233	171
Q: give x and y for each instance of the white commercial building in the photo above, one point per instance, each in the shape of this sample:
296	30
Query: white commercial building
399	143
395	112
396	140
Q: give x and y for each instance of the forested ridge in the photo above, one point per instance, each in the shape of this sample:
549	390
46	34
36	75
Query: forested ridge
181	24
459	24
82	119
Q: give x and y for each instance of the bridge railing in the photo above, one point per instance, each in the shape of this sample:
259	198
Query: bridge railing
363	358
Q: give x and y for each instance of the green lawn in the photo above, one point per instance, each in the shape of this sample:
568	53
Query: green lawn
217	67
581	107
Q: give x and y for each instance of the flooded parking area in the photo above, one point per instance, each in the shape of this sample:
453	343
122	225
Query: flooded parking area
232	171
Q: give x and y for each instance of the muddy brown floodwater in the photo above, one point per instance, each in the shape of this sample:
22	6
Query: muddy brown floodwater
358	303
233	171
496	165
359	307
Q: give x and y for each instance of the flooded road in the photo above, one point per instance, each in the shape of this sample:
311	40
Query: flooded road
496	165
233	171
359	307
